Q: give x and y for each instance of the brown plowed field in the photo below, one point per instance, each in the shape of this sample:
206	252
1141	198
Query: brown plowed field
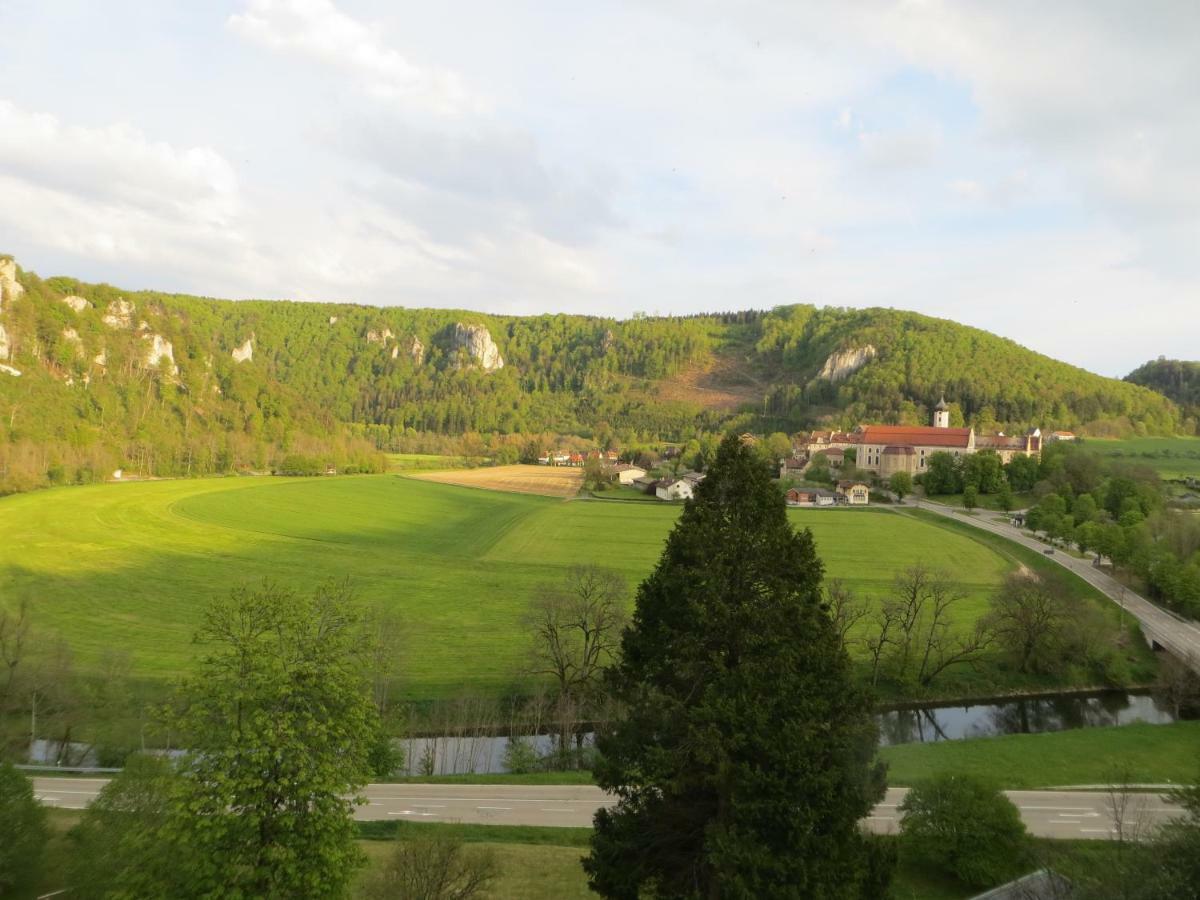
551	481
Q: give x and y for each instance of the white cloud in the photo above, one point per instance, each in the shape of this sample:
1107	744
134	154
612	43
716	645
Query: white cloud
318	30
118	165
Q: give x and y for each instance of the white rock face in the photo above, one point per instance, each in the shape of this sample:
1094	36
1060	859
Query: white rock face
119	314
845	363
101	358
379	337
5	349
10	288
416	351
244	353
477	341
160	349
72	336
333	320
76	303
9	370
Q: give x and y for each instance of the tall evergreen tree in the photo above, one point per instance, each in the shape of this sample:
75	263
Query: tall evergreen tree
744	761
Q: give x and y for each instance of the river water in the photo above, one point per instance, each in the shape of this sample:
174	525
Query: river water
485	754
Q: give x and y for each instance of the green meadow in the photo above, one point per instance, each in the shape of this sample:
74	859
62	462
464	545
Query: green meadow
1172	457
131	566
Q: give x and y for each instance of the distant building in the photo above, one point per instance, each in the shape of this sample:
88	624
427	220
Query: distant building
626	474
1061	436
792	467
674	489
811	497
887	449
855	492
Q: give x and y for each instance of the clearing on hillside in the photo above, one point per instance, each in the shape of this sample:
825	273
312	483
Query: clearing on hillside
549	481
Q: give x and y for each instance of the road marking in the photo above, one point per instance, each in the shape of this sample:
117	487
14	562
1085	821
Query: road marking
1064	808
882	818
494	807
556	810
1098	830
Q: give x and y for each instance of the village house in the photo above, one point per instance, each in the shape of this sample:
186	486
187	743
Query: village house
792	467
1061	436
887	449
674	489
856	493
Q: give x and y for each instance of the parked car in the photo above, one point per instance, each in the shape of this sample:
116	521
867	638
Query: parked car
1049	551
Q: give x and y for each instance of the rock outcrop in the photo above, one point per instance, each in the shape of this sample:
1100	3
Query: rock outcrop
76	303
101	358
71	336
379	337
477	342
160	349
5	349
244	353
9	370
844	363
119	314
416	351
10	288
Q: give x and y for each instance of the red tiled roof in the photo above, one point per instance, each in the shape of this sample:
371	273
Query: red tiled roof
916	435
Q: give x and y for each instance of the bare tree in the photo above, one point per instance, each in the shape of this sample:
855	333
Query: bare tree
14	645
845	609
383	646
576	627
926	641
1028	615
882	636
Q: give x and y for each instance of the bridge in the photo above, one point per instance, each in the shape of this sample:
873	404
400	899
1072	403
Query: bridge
1163	629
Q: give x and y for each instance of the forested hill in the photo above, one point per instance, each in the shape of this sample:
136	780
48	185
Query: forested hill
171	384
1174	378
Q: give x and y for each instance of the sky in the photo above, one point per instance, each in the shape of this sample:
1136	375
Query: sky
1029	168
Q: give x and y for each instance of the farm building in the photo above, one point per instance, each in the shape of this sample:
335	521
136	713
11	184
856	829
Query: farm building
626	474
811	497
674	489
792	468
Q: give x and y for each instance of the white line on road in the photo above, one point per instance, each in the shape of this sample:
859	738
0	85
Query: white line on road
494	807
556	810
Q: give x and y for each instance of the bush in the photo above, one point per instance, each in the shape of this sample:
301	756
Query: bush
432	867
295	464
23	831
966	827
520	755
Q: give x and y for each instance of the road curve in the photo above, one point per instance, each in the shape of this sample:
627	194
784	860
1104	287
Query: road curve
1178	635
1052	814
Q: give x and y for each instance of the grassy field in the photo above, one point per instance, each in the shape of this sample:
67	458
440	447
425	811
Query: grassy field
132	565
421	462
1151	754
1172	458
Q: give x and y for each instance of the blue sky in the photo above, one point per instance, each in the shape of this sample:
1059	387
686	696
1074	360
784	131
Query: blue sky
1028	168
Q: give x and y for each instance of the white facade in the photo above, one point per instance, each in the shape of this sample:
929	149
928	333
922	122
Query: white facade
681	489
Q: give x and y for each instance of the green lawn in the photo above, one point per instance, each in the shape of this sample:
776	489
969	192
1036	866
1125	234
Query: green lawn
419	462
132	565
1171	457
1152	754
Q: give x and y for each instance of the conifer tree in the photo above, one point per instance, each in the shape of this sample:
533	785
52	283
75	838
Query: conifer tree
743	763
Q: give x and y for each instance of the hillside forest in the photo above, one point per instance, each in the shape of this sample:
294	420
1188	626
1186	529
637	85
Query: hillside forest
95	379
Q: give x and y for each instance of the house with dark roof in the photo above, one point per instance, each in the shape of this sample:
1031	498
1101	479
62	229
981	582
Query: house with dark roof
855	493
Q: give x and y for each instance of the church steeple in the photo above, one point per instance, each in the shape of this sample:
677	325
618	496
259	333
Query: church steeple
941	414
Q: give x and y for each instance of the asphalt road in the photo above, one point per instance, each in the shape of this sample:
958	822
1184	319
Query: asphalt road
1179	636
1053	814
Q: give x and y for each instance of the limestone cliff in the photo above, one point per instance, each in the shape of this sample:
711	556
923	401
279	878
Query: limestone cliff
844	363
76	303
5	349
10	288
119	314
159	352
244	353
477	342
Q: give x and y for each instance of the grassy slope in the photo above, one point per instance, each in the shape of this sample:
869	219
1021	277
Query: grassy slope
132	565
1151	754
1177	457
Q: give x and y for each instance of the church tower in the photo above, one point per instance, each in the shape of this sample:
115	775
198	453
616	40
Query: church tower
941	414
